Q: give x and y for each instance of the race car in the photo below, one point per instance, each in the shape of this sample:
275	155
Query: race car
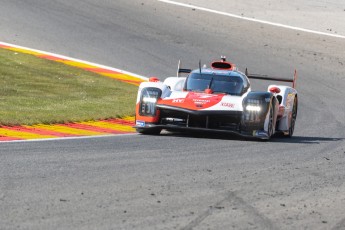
217	99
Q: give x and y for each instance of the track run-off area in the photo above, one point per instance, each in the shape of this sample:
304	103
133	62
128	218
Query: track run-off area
75	129
174	180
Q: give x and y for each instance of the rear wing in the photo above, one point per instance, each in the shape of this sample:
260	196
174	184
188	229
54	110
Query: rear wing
182	70
270	78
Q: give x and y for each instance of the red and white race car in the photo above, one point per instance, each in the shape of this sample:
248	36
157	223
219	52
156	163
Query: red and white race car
218	99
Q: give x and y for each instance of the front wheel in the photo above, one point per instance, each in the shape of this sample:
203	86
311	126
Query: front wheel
271	126
293	118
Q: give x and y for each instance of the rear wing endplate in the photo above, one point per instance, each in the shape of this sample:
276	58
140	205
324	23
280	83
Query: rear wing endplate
270	78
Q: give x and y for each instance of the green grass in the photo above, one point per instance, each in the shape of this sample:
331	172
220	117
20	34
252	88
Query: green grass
35	90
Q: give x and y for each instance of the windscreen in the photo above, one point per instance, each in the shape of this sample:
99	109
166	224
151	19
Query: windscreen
232	85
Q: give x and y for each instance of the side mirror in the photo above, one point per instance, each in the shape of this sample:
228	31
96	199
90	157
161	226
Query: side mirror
208	91
153	79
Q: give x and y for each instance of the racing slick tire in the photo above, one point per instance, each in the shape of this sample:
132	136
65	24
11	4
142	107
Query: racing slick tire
271	126
293	118
152	131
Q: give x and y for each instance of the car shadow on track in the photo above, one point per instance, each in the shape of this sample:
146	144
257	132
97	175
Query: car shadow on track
276	138
203	135
305	140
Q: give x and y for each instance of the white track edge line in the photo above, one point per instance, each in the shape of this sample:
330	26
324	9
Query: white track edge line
252	19
74	59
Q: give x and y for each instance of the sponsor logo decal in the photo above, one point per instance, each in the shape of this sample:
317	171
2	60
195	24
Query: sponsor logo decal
140	123
260	133
207	96
289	101
178	101
201	101
227	104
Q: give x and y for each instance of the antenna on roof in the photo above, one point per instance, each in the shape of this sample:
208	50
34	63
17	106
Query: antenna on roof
178	68
200	66
246	72
223	58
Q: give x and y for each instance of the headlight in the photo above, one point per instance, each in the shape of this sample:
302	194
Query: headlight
253	108
149	100
253	105
149	97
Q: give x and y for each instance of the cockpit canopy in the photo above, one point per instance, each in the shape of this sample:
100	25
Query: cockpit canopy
228	82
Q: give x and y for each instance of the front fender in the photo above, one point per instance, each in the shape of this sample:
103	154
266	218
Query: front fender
256	108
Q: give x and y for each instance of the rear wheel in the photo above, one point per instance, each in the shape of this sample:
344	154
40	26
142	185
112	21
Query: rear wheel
152	131
293	118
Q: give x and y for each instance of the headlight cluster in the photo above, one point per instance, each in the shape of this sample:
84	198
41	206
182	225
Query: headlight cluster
149	100
149	97
253	105
253	108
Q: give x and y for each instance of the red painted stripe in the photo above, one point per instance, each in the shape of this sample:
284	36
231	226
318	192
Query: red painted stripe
105	71
4	138
131	81
92	128
120	121
101	70
51	57
6	47
35	130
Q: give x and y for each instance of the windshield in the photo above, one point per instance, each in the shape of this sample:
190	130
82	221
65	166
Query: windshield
218	83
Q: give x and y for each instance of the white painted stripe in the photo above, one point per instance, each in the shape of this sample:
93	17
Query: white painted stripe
69	138
76	60
252	19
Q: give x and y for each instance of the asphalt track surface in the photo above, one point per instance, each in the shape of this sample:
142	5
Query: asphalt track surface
176	181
